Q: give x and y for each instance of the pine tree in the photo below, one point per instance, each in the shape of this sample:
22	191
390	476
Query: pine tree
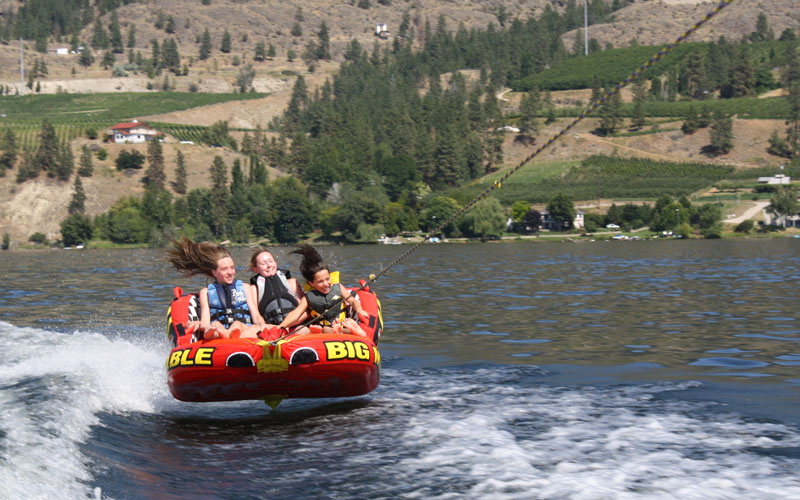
170	58
742	81
205	45
691	122
180	174
696	80
260	52
323	42
99	35
219	192
48	155
86	168
115	34
529	109
8	145
721	134
67	164
639	96
225	45
132	36
611	114
170	26
77	204
28	169
791	82
85	58
155	170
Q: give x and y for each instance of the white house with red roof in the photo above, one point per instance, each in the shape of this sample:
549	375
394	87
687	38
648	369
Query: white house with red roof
133	132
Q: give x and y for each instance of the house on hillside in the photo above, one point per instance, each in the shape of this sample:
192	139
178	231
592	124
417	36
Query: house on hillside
382	31
133	132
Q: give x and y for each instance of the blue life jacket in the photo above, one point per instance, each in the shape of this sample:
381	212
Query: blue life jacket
228	303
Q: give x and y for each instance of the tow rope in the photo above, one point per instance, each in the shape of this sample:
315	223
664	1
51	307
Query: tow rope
364	284
588	110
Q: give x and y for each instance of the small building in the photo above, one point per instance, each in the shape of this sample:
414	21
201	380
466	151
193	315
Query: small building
381	30
133	132
770	219
775	179
549	223
60	51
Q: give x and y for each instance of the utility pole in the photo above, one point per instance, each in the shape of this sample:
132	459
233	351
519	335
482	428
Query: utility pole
21	69
586	27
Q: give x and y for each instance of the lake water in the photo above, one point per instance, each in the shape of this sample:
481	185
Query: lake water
597	370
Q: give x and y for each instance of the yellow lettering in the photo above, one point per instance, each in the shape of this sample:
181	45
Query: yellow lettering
347	350
174	359
336	350
203	356
185	357
362	351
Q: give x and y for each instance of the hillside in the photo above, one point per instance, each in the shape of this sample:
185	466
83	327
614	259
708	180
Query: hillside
38	206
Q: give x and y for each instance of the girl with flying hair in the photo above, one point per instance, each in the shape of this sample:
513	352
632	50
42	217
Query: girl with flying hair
227	307
325	298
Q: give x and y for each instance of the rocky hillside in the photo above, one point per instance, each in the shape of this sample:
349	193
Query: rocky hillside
38	206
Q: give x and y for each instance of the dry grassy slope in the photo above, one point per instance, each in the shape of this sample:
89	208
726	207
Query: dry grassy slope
40	205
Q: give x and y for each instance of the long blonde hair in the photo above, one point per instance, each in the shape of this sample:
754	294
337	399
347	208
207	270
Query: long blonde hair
191	258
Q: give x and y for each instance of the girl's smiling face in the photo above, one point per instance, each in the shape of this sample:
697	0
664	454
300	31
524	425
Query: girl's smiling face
265	264
322	281
225	273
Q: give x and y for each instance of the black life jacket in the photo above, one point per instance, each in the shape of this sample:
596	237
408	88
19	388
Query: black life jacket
332	303
275	298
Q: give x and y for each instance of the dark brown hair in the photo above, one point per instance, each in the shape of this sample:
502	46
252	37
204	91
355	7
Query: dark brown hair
312	262
191	258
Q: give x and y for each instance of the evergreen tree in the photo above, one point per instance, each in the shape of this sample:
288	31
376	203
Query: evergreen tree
258	172
219	193
271	51
48	155
131	36
77	204
696	80
323	42
108	59
85	58
170	58
8	145
180	173
721	134
86	168
260	52
170	26
205	45
791	82
99	35
611	114
225	45
639	96
529	109
297	30
742	80
691	122
154	174
115	34
67	163
28	168
763	32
